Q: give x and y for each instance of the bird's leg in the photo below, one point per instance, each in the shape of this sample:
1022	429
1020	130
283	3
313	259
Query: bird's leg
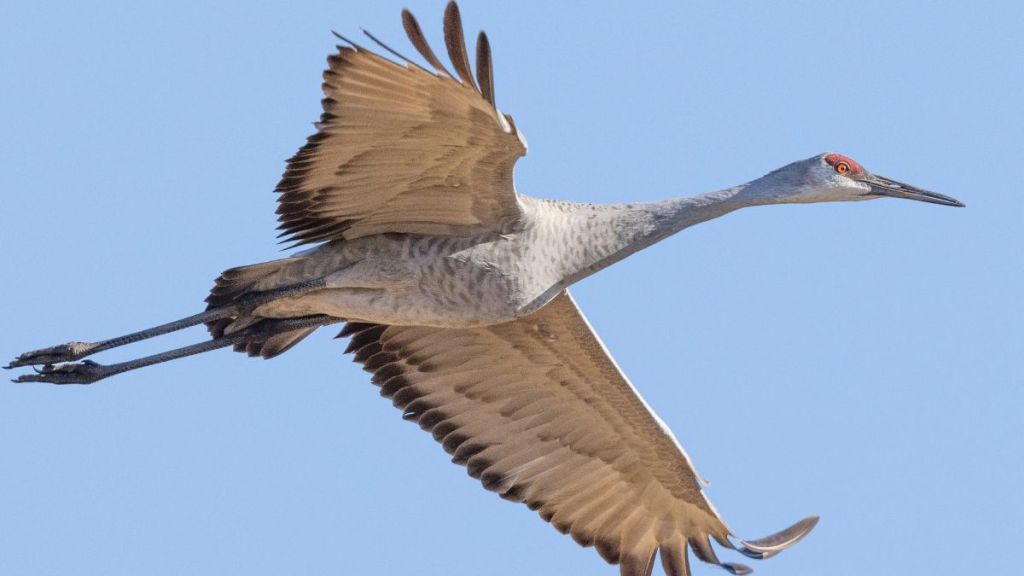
77	350
87	371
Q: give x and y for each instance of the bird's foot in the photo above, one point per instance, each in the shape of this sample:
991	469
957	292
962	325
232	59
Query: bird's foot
53	355
84	372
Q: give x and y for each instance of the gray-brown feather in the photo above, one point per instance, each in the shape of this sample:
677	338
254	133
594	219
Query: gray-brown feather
419	41
485	67
455	41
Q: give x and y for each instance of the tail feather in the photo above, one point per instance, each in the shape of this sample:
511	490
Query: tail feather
274	345
234	283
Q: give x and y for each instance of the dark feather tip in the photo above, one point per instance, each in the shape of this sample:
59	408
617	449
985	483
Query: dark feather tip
773	544
455	42
419	41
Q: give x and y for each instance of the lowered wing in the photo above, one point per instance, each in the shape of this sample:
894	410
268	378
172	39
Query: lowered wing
538	411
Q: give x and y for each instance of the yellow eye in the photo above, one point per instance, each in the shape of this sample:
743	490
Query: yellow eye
842	167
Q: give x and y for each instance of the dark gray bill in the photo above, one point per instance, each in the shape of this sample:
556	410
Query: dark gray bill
882	186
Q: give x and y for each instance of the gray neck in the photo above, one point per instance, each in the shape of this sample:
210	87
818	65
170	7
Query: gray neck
628	228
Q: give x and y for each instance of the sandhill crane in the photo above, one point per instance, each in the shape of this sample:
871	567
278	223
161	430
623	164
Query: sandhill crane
453	291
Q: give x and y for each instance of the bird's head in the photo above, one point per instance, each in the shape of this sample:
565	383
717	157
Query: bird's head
832	177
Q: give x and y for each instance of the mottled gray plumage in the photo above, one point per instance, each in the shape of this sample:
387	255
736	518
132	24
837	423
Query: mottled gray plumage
453	287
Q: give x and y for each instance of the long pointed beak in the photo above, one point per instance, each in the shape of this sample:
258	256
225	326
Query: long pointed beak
882	186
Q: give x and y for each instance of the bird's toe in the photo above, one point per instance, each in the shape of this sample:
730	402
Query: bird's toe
84	372
53	355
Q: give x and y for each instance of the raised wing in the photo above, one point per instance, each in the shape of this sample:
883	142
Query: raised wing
538	411
403	149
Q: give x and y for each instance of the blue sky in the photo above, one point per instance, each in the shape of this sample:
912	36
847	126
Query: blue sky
857	361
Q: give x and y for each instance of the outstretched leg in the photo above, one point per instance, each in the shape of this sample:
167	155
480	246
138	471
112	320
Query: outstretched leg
77	350
87	371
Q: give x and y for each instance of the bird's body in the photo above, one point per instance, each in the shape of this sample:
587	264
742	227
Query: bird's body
459	281
484	279
452	287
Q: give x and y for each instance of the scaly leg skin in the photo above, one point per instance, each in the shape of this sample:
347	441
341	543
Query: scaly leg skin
54	354
77	350
87	371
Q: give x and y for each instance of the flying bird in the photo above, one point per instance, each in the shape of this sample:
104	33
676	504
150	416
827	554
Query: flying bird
452	288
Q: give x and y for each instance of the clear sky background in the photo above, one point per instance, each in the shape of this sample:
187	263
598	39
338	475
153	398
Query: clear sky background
859	361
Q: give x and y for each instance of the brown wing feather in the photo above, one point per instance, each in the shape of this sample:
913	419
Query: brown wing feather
484	67
455	41
419	41
400	149
539	413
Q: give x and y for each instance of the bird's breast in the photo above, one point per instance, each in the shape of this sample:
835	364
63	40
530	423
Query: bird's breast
486	280
436	281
